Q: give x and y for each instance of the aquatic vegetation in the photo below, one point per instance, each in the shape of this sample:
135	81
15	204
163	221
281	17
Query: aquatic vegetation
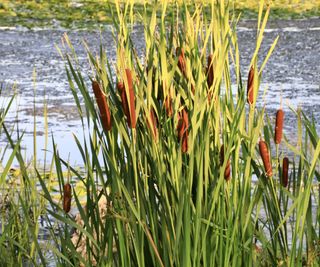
200	195
187	174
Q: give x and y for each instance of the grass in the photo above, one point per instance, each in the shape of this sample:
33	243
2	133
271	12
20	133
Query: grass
165	199
90	14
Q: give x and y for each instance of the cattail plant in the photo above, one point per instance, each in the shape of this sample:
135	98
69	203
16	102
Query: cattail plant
182	128
105	115
210	75
227	171
250	86
279	126
264	153
285	169
129	112
67	197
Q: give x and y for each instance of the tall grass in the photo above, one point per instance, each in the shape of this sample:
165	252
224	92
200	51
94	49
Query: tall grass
164	199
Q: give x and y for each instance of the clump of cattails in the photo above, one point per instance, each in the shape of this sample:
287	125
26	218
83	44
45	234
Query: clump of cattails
279	126
264	153
210	75
182	61
227	171
128	111
250	86
183	124
67	197
285	169
105	115
154	122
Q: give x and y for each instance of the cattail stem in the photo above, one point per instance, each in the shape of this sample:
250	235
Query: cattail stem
279	126
67	197
105	115
264	153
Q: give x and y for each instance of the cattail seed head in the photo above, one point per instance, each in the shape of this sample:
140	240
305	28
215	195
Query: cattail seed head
210	75
279	126
264	153
182	61
182	128
128	111
250	86
210	72
285	169
227	171
154	122
67	197
168	106
104	110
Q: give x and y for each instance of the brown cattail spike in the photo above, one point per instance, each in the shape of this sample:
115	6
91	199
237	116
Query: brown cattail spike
168	106
67	197
210	75
227	171
128	111
279	126
154	123
285	169
264	152
250	86
123	96
183	125
102	105
182	61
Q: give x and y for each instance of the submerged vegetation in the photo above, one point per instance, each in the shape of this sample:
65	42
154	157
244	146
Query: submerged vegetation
180	166
89	14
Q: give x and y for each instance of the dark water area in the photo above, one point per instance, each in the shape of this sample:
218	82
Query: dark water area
293	71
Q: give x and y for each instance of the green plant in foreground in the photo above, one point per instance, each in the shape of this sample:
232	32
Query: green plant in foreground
166	196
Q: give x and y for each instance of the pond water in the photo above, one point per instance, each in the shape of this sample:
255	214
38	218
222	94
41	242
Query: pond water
293	71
